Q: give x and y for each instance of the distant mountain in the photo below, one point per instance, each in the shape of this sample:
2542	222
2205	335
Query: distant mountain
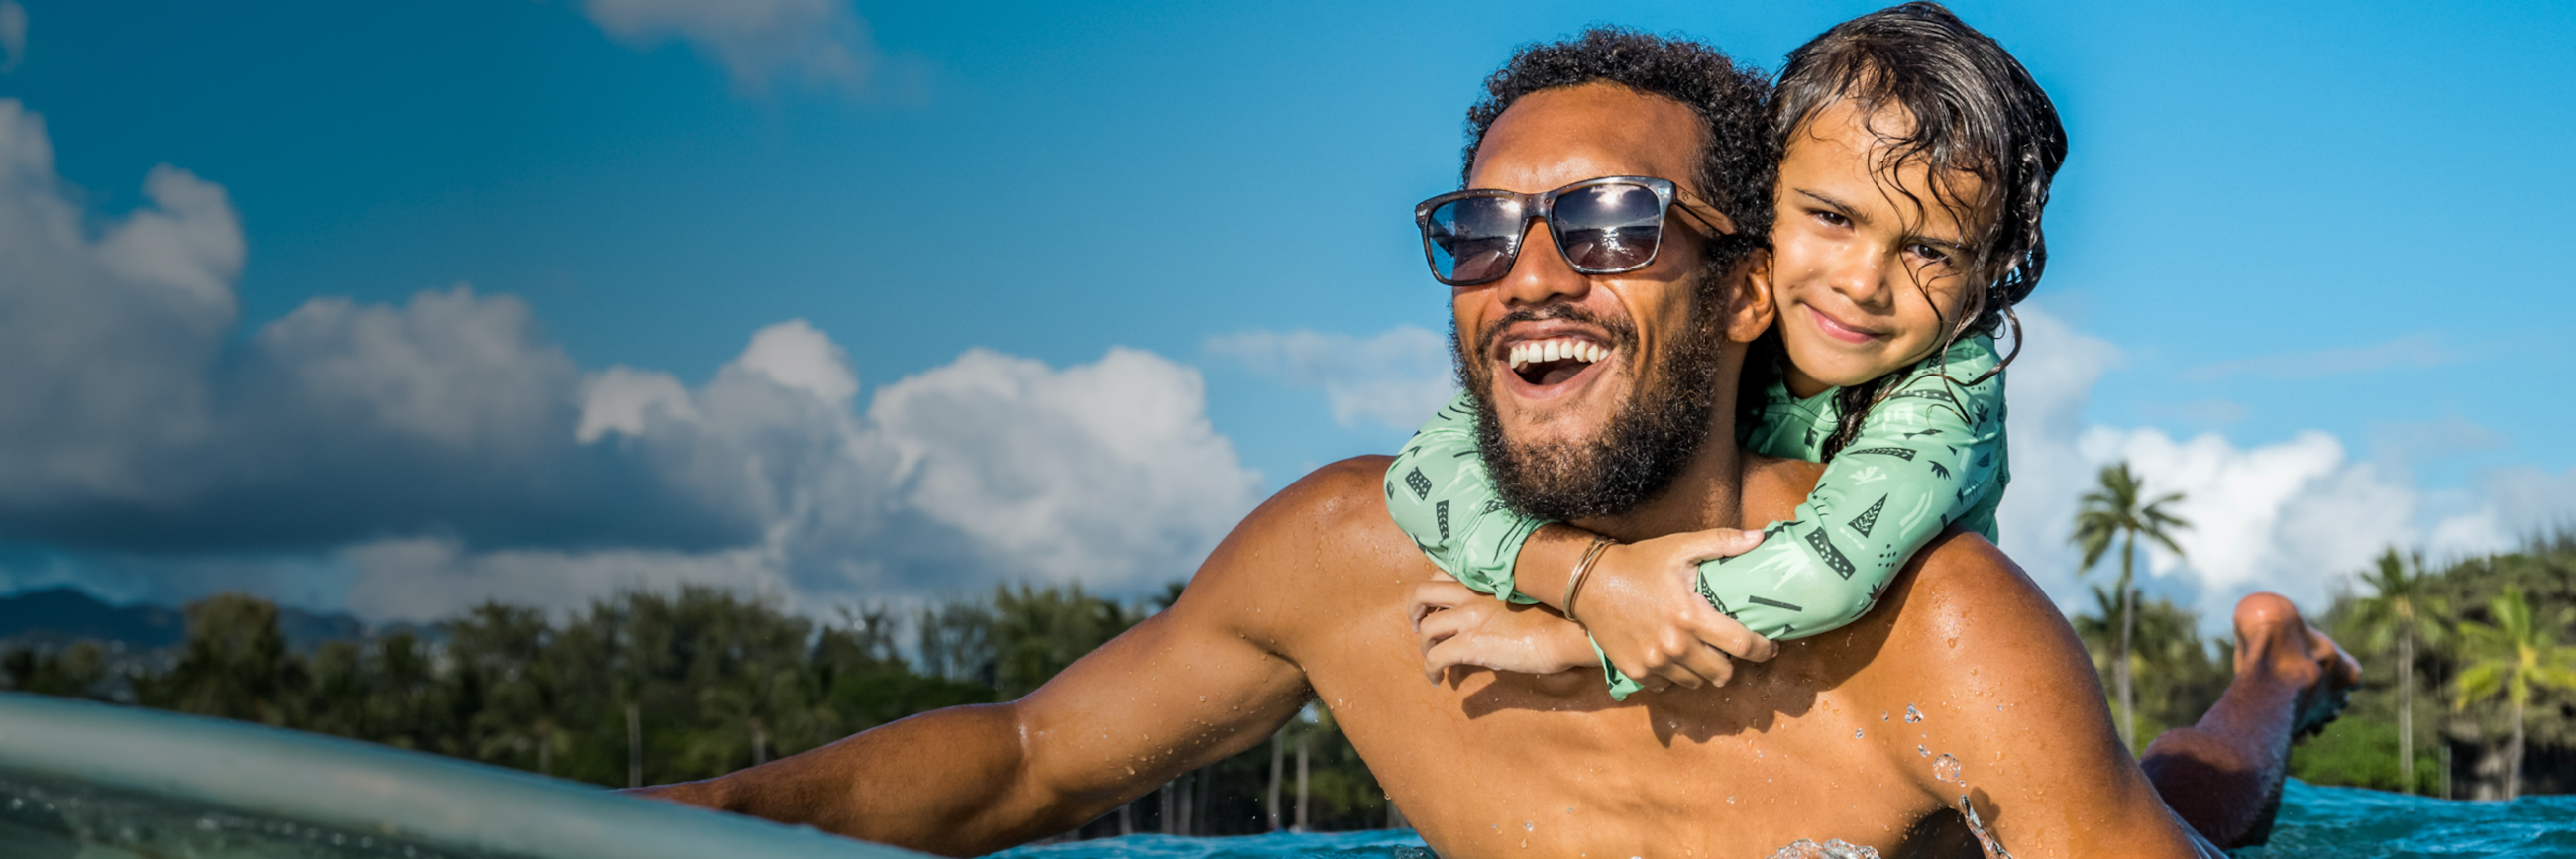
65	615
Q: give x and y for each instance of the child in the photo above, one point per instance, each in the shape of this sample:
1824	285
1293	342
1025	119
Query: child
1915	144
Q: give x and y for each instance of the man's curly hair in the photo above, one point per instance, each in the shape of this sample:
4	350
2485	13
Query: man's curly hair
1739	157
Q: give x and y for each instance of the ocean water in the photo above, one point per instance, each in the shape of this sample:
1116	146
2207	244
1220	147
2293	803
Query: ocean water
2318	822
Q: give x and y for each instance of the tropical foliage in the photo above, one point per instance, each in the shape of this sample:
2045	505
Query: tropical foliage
647	688
2480	625
2118	511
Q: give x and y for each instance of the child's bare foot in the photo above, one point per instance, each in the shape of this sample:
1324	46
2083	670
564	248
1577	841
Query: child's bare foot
2272	639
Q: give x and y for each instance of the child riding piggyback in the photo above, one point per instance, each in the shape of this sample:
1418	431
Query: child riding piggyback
1907	225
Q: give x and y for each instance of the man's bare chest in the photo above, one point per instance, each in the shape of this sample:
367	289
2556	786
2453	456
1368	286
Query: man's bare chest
1511	763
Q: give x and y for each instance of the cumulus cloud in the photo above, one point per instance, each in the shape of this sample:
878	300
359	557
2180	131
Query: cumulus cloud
2297	516
432	454
1396	379
823	42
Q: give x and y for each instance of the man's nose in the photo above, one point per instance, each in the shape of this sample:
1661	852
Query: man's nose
1541	274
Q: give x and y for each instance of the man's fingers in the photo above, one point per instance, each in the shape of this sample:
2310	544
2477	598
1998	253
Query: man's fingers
1438	627
1706	662
1730	636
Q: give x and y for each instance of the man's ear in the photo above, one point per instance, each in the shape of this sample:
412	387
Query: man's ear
1751	312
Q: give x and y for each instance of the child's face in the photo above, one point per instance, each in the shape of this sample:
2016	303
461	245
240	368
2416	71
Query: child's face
1867	279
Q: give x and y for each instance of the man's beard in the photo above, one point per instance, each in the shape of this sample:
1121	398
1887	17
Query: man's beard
1640	450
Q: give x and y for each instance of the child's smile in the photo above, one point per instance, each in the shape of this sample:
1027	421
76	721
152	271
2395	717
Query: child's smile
1868	280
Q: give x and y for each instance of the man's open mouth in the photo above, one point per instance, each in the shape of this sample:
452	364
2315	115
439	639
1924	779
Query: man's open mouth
1554	360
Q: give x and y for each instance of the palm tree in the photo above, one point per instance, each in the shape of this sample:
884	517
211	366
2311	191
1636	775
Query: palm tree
2114	513
2401	613
2163	639
2511	656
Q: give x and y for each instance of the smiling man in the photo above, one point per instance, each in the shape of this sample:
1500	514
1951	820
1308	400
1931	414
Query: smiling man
1624	394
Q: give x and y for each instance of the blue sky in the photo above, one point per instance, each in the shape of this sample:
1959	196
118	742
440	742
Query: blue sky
2307	266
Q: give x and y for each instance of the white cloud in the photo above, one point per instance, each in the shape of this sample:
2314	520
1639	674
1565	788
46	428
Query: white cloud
621	399
436	453
133	307
821	41
2047	389
2295	516
2512	504
797	356
2292	517
13	35
1396	379
1107	472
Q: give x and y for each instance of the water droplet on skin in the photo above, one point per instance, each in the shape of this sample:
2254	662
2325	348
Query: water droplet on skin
1945	768
1912	715
1529	826
1922	752
1855	734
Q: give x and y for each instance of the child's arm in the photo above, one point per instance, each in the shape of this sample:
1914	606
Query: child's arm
1439	493
1924	457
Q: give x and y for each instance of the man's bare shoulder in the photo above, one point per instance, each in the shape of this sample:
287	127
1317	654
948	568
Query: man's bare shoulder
1306	548
1345	496
1963	592
1966	628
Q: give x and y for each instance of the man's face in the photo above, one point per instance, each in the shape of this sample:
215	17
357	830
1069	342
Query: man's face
1596	433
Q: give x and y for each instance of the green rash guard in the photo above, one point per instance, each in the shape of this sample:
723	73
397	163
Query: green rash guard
1929	455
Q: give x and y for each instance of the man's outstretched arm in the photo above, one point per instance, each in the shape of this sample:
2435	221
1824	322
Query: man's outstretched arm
1184	689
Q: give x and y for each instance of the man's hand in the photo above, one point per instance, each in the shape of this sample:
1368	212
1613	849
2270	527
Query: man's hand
1457	625
1642	608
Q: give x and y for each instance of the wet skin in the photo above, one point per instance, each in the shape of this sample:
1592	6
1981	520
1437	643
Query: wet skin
1311	595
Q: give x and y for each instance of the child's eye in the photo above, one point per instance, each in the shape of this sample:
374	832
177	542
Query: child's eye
1831	218
1930	254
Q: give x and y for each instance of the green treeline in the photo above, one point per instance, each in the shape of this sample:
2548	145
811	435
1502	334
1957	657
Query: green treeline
648	688
2442	648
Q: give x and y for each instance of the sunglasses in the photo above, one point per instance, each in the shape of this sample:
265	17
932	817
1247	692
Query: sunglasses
1609	225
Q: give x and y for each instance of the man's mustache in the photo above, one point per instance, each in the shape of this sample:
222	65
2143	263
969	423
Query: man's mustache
1622	333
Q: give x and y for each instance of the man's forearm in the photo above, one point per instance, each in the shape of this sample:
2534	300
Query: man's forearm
950	781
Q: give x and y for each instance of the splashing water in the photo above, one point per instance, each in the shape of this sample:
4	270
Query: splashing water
1986	839
1831	849
1946	768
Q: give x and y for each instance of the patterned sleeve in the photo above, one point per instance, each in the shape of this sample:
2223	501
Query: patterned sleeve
1439	493
1924	457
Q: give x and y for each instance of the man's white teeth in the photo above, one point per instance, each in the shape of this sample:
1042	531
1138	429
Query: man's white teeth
1543	351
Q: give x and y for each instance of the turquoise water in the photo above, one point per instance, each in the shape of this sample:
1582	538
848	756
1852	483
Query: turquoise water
2340	822
90	781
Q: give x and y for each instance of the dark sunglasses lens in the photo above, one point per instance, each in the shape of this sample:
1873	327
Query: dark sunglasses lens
1608	228
1473	239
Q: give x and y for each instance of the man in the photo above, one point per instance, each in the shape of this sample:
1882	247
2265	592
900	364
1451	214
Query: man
1309	599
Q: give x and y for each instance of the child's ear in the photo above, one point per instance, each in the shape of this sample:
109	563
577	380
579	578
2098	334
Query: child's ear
1751	312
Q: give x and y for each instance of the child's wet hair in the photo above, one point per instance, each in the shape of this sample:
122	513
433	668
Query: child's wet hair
1973	109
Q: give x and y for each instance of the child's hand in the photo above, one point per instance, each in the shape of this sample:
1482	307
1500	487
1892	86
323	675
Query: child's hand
1456	625
1642	607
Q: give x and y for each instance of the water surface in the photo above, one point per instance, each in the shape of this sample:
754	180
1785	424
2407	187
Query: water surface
2318	822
